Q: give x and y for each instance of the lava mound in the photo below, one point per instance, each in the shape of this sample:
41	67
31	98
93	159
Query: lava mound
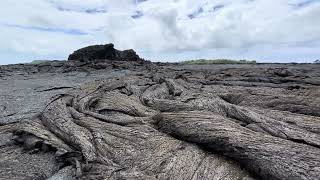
103	52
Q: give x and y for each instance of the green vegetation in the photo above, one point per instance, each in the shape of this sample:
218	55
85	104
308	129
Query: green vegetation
218	61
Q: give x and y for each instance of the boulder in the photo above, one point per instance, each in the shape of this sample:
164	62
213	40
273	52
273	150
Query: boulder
103	52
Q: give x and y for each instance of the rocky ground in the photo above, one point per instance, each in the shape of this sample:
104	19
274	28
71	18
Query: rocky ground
107	114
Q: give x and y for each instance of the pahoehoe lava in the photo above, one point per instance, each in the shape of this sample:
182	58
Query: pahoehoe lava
108	114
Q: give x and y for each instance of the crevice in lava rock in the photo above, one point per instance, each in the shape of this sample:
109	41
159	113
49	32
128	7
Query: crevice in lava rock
55	89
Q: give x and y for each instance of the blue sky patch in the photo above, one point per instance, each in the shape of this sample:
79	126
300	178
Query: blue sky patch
196	13
97	10
304	3
89	11
137	15
140	1
48	29
217	7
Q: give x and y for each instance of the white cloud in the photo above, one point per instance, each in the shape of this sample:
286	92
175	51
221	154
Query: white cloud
173	29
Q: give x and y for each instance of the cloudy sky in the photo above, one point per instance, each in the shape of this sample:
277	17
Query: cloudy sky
162	30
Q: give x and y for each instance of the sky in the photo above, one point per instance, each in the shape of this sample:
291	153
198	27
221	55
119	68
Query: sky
162	30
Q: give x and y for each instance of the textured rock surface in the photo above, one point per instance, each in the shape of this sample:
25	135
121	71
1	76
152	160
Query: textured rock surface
133	120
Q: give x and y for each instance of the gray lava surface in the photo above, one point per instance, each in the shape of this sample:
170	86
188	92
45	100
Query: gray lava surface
117	119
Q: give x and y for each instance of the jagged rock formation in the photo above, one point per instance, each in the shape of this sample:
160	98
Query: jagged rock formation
131	120
106	52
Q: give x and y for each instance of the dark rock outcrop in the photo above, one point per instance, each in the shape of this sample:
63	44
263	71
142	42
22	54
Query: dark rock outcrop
103	52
